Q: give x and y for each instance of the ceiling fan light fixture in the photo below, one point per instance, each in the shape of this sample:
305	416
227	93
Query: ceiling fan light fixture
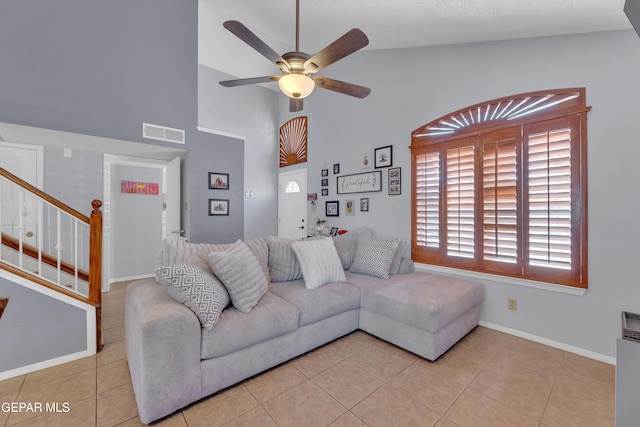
296	85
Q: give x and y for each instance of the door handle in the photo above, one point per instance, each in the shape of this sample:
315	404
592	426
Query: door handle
301	227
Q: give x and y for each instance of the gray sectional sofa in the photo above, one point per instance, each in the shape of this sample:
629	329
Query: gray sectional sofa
175	360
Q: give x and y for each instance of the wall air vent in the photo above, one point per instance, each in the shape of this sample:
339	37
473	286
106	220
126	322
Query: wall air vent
162	133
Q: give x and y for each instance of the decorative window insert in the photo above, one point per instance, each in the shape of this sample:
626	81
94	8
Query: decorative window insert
501	187
293	142
292	187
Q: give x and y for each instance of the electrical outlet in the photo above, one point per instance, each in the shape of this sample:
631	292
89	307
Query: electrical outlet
512	304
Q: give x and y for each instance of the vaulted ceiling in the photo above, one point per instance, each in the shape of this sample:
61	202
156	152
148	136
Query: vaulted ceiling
388	25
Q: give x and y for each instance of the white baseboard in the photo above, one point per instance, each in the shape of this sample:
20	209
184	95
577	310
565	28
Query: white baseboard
45	364
551	343
126	279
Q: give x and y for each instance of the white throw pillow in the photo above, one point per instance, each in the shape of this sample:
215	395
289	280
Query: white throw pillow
283	264
240	272
319	262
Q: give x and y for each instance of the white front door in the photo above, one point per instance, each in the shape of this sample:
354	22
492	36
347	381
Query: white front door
292	205
20	211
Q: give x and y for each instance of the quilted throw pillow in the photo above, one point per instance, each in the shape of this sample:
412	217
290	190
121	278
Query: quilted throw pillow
240	272
403	246
283	264
319	262
374	257
197	289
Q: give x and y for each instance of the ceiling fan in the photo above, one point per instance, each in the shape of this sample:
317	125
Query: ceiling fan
298	80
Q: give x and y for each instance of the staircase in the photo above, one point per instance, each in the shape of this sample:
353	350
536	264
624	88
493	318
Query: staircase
51	244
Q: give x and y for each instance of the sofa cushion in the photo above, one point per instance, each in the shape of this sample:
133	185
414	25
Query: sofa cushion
319	262
283	264
374	257
423	300
197	289
176	251
320	303
270	318
347	244
238	269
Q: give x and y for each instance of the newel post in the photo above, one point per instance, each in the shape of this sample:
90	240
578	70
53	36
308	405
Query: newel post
95	266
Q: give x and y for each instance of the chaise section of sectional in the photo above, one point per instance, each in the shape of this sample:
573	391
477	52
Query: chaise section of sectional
420	312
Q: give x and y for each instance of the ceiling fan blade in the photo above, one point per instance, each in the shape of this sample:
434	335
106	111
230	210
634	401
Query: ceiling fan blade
250	81
349	43
245	34
342	87
295	104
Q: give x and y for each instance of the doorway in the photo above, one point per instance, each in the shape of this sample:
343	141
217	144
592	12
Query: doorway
24	161
292	205
142	207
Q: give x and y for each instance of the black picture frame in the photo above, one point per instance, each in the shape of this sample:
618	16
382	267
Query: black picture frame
334	231
325	182
336	168
364	204
383	157
394	181
325	191
324	172
332	208
218	207
218	181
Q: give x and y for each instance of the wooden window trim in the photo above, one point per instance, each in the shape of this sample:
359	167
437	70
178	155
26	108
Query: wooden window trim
566	105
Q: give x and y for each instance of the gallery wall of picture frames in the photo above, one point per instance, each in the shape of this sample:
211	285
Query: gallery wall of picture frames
218	181
369	180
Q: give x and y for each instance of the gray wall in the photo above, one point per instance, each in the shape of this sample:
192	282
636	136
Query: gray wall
35	328
76	180
104	68
414	86
250	112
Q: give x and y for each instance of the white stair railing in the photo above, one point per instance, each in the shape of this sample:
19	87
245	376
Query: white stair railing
48	242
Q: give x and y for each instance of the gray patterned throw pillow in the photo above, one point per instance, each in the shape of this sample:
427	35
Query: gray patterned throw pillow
196	288
374	257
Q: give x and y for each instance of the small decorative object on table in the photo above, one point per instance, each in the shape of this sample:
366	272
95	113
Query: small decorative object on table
319	225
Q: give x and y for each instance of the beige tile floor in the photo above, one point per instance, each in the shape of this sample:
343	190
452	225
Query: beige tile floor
488	379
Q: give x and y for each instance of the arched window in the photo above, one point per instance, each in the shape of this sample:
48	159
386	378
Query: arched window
501	187
292	187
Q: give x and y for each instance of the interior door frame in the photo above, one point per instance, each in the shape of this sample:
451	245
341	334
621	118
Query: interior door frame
107	223
39	149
